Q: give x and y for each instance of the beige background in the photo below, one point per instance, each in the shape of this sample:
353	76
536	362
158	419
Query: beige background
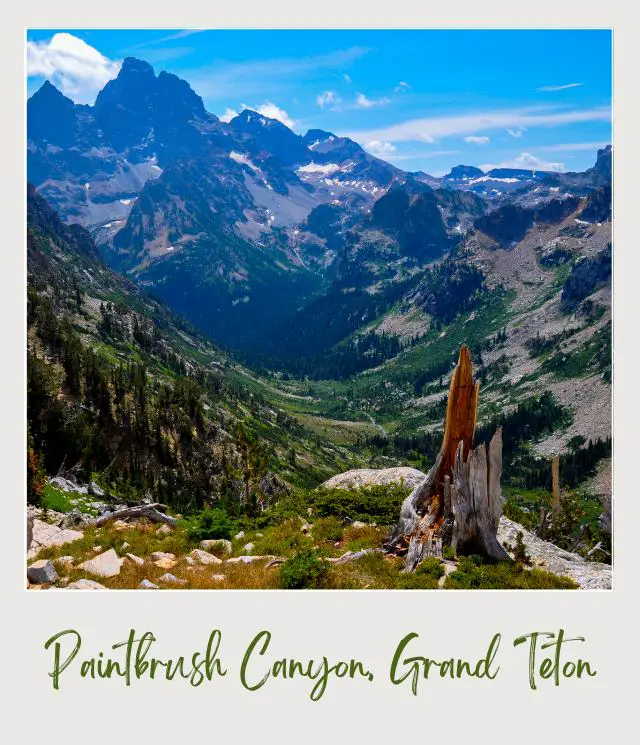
366	625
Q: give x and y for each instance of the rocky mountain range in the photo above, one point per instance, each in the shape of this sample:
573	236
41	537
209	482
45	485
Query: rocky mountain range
242	226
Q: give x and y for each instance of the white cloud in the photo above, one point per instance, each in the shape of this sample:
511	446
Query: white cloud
380	148
402	87
362	102
526	161
80	71
228	115
346	77
272	111
477	140
327	98
517	132
573	146
551	88
430	128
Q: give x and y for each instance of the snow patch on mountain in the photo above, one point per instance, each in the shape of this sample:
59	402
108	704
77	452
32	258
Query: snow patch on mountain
324	168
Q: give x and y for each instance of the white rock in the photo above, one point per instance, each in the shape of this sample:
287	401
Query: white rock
135	559
164	529
64	561
85	584
107	564
171	579
358	524
125	546
165	563
147	585
189	561
218	577
249	547
45	535
203	557
358	477
41	572
245	559
156	555
239	536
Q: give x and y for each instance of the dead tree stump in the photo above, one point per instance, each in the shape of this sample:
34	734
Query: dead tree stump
459	502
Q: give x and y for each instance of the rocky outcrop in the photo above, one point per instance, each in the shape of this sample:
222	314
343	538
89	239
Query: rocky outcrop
45	535
589	575
360	477
585	278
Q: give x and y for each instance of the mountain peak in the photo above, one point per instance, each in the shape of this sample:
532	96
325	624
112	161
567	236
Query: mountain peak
461	172
249	119
316	136
135	65
49	93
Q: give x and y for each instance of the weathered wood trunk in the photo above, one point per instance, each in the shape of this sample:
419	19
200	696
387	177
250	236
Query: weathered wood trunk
150	511
555	484
459	501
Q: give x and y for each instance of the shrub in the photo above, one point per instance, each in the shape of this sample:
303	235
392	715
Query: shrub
473	574
448	553
284	539
327	530
379	503
36	476
425	577
519	551
372	504
207	524
305	570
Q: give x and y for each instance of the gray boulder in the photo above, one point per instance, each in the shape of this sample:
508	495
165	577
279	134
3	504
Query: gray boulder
147	585
360	477
75	518
68	485
96	491
42	572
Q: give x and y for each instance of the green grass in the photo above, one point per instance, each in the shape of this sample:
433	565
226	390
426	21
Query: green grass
56	500
473	574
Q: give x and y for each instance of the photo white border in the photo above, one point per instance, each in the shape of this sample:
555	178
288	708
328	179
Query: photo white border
367	624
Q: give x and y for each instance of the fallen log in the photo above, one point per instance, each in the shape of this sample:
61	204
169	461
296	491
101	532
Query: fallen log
353	556
459	502
150	511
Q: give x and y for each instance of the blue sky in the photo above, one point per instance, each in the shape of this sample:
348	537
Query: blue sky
423	100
